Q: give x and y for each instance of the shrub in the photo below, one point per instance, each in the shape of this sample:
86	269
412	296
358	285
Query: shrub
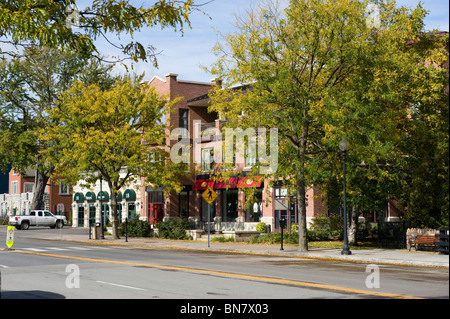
261	227
136	228
326	228
173	229
275	238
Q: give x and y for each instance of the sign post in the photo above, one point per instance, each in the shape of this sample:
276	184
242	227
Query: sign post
10	237
209	195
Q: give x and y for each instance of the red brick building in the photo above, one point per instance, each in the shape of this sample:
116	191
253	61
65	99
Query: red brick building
58	198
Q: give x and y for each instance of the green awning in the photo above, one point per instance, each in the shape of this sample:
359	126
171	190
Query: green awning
103	196
129	194
78	197
119	196
90	197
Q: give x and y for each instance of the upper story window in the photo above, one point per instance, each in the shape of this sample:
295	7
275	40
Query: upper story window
28	187
183	123
207	159
14	187
64	189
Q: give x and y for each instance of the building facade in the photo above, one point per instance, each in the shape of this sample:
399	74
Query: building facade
57	196
231	210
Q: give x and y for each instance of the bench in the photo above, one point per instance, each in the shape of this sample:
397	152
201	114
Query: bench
426	240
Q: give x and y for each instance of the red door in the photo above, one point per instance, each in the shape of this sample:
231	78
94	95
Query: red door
156	213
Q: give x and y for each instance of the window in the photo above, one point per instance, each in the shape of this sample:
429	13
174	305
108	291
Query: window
184	121
60	209
230	205
280	192
28	187
184	204
207	159
64	189
15	187
250	155
154	157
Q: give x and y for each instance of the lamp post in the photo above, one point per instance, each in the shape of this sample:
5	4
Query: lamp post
344	146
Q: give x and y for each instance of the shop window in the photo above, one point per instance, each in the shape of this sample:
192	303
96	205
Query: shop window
254	211
230	205
184	204
205	207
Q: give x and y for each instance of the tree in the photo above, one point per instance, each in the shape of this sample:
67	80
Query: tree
60	24
103	133
310	67
29	89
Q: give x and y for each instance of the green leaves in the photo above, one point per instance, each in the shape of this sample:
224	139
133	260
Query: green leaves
60	24
319	72
110	131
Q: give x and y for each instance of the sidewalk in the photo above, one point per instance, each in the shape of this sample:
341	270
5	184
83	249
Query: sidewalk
375	256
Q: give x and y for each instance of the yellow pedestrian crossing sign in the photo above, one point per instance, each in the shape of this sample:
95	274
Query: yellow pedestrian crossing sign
10	236
209	195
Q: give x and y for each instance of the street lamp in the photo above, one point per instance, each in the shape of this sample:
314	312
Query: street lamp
344	145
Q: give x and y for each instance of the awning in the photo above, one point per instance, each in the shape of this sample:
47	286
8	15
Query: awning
78	197
249	181
119	196
203	184
102	196
90	196
129	194
224	183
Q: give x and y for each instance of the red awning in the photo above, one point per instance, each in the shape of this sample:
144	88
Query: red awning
249	181
224	183
203	184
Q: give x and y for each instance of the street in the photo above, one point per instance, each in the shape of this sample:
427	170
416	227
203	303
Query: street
52	269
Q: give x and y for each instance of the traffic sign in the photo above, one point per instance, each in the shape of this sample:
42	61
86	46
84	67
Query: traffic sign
209	195
10	236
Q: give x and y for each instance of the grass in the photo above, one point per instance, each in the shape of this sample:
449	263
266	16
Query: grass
339	244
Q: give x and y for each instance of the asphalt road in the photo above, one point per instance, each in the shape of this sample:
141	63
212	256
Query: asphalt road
66	270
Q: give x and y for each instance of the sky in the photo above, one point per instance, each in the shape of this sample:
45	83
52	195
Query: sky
185	54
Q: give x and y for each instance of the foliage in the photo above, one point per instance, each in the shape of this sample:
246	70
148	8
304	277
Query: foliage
222	239
173	229
275	238
109	133
261	227
59	24
29	89
320	72
136	228
326	228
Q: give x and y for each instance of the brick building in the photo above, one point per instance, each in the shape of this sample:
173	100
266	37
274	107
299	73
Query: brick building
57	198
228	212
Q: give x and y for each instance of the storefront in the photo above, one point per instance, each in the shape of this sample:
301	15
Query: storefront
88	205
230	205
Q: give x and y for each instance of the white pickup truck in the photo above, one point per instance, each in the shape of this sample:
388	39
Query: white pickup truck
38	218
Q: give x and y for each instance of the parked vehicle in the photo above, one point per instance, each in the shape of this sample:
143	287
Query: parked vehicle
38	218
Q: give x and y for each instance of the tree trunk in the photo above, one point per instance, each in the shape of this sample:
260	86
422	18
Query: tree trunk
301	205
114	214
41	183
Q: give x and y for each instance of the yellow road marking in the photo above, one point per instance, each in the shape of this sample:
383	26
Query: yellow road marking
233	275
